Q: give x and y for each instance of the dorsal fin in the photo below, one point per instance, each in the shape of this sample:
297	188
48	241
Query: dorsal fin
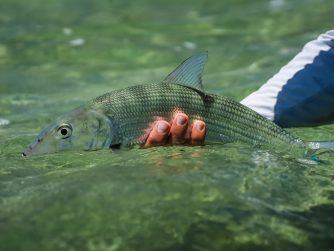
189	72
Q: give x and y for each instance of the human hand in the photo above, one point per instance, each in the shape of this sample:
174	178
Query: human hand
179	132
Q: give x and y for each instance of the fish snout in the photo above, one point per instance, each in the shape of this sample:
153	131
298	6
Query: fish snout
27	151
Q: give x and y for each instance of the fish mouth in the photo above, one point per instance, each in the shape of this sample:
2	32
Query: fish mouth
27	152
35	148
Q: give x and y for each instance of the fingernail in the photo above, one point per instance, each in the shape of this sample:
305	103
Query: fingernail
200	126
180	120
162	127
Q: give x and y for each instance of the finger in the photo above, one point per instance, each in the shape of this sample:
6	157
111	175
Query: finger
179	129
158	135
198	132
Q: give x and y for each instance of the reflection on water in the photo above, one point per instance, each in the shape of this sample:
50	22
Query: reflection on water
55	56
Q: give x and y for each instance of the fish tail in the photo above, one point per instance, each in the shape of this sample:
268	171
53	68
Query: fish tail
316	148
318	145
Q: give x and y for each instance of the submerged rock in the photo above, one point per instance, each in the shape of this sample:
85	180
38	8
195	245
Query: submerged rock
4	122
77	42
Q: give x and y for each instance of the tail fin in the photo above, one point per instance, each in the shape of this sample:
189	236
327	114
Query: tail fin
315	149
325	145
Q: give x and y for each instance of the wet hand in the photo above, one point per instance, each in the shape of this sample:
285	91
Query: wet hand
179	132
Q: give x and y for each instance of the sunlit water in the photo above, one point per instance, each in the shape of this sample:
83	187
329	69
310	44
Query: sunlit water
55	55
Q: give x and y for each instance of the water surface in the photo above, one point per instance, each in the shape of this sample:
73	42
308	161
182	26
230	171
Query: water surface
56	55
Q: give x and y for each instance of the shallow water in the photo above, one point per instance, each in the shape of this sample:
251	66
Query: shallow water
55	56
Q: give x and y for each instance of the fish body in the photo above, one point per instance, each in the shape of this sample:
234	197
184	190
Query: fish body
133	109
124	117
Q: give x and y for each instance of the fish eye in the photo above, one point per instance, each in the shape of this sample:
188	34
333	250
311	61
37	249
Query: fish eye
65	131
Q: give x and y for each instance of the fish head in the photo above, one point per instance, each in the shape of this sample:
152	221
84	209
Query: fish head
83	128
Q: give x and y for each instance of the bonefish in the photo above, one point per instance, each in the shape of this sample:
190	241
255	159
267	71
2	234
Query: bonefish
123	117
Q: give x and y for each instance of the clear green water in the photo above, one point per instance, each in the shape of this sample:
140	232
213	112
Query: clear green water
228	197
